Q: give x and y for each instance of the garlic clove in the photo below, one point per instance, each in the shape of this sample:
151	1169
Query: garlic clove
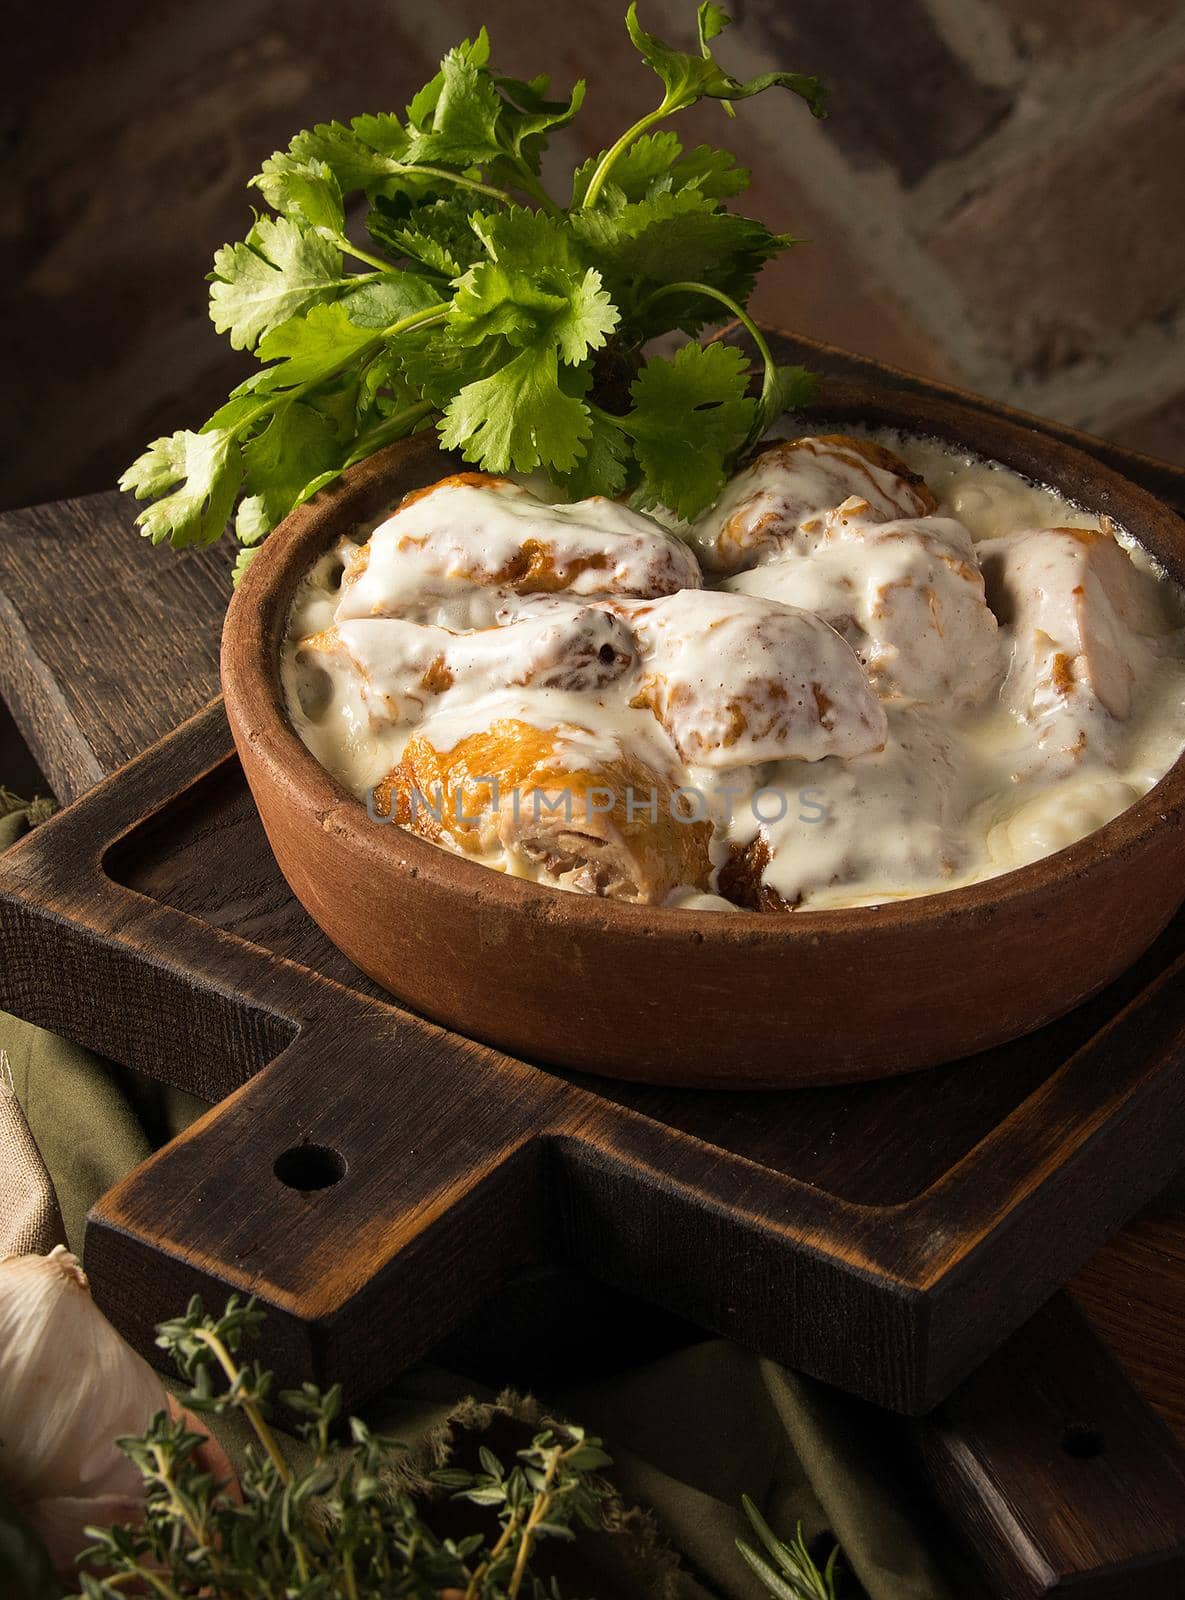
61	1522
69	1386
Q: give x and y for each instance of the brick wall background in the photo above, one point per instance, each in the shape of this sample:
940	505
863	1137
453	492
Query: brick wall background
998	197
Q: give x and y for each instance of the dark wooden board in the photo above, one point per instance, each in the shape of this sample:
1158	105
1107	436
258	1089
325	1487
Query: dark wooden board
1074	1479
462	1168
885	1238
89	614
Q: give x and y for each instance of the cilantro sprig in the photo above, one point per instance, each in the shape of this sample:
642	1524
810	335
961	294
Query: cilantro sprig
481	305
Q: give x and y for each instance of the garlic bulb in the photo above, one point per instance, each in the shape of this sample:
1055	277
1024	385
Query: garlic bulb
69	1387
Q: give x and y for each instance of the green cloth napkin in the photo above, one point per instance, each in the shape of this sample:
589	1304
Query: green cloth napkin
689	1433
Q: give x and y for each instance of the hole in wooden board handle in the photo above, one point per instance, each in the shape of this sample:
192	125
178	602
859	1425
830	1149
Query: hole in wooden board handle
1083	1441
309	1167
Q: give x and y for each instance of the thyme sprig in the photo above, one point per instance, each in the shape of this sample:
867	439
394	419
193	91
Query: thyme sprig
338	1529
339	1526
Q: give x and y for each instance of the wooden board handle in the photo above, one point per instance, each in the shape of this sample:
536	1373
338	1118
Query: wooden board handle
407	1192
1059	1475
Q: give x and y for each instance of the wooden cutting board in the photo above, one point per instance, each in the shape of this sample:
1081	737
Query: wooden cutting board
883	1237
886	1238
374	1179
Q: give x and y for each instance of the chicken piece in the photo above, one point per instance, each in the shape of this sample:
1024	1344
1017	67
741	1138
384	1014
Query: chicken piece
908	596
401	667
1050	816
874	828
736	680
553	803
1080	613
473	531
787	495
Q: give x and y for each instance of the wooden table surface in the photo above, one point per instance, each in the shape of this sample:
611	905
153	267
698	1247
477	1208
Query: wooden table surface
106	644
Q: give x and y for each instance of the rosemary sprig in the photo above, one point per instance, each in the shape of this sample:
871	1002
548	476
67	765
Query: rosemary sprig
792	1574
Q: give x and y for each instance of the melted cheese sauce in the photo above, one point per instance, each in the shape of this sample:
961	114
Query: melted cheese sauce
977	738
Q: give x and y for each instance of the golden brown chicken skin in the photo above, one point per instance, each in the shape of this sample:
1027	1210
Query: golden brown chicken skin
551	803
487	533
789	490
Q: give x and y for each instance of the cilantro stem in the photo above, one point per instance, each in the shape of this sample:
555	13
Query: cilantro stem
351	249
458	178
530	184
769	382
606	163
417	319
396	426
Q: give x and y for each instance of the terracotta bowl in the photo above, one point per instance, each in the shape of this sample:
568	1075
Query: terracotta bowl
701	998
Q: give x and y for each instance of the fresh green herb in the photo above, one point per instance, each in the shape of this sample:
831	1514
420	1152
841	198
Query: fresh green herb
514	323
339	1530
792	1574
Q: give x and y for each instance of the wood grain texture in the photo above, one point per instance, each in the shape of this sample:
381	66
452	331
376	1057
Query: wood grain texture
448	1169
1135	1288
893	1289
1054	1488
1134	1293
105	643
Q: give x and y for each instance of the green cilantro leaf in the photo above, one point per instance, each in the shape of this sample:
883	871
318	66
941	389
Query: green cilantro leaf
198	475
603	466
587	319
311	348
674	237
305	190
791	389
656	164
438	365
384	134
252	522
243	406
576	317
518	418
389	299
514	328
689	77
279	271
635	172
464	120
712	20
528	239
242	561
713	172
491	301
369	155
529	116
690	415
422	109
436	235
383	387
534	289
297	445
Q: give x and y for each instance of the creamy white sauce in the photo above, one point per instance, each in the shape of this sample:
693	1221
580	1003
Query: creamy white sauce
960	740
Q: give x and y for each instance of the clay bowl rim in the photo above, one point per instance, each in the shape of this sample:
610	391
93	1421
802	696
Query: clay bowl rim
257	617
